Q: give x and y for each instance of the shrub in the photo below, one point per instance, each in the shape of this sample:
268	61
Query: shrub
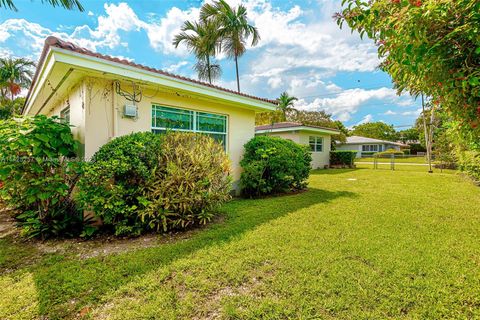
192	180
389	153
272	165
342	157
406	152
145	181
113	183
37	177
469	162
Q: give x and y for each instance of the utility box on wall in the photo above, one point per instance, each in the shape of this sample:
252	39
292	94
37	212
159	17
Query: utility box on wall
130	111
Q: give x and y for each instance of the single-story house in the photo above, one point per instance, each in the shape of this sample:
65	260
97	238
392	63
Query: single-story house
103	97
368	146
318	138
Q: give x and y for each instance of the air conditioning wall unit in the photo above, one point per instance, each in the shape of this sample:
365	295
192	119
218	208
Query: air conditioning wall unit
130	111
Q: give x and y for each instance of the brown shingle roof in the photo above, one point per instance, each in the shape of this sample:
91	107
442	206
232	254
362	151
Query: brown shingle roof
52	41
285	125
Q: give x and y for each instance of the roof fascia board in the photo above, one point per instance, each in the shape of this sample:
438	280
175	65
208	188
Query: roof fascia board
308	129
99	64
46	69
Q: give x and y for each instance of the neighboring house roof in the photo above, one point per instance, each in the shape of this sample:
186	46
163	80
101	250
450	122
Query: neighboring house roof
53	44
293	126
365	140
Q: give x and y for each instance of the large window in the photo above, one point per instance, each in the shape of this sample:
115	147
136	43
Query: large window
316	144
168	118
370	148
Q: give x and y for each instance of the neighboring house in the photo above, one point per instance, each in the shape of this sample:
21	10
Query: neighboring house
90	91
318	138
368	146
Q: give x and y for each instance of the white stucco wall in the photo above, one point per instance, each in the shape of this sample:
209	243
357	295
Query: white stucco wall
358	147
319	159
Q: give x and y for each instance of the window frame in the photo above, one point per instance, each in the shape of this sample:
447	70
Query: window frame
370	147
194	123
62	115
315	143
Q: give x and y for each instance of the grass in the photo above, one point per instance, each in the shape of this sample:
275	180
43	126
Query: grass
360	244
397	160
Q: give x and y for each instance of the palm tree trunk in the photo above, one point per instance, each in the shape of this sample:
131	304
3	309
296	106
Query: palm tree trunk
209	70
236	68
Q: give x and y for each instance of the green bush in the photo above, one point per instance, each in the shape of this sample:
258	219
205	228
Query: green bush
273	165
114	181
389	153
469	163
145	181
191	181
406	152
38	178
342	157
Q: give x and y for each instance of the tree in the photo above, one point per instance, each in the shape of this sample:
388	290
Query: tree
320	119
375	130
234	29
428	47
286	105
8	108
202	39
409	135
67	4
15	74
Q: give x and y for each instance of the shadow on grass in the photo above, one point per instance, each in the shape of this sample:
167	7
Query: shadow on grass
66	285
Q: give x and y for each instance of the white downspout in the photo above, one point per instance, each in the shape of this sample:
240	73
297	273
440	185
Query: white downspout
114	113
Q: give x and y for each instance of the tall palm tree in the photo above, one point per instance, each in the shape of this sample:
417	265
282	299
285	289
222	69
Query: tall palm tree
234	29
286	104
15	74
202	40
67	4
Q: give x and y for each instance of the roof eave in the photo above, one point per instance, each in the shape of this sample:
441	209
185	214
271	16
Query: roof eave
298	128
112	67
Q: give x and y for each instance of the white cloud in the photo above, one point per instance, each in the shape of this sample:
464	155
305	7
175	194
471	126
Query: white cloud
412	113
368	118
90	13
348	102
389	113
274	82
175	67
161	33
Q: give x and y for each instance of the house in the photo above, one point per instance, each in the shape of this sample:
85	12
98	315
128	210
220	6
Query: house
318	138
368	146
103	97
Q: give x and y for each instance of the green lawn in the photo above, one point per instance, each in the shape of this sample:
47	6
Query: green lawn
397	159
360	244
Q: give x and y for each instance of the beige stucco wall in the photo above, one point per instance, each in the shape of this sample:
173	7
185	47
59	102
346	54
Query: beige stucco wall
319	159
96	112
75	99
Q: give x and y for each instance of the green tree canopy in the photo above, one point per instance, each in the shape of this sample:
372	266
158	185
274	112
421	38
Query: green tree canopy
427	46
375	130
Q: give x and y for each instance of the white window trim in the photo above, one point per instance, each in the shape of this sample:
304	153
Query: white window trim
317	138
227	120
371	147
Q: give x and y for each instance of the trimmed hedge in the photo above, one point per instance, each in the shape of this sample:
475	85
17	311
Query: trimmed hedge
274	165
469	163
342	157
389	153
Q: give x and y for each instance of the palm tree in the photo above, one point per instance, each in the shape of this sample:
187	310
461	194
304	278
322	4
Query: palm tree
286	104
202	40
234	29
15	74
67	4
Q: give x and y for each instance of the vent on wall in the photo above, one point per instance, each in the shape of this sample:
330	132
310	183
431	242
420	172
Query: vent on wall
130	111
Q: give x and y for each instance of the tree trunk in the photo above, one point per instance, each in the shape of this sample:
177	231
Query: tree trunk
236	68
209	70
427	137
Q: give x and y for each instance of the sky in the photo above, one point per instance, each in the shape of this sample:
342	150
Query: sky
301	51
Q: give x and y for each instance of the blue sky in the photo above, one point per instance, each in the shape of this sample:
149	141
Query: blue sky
302	50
